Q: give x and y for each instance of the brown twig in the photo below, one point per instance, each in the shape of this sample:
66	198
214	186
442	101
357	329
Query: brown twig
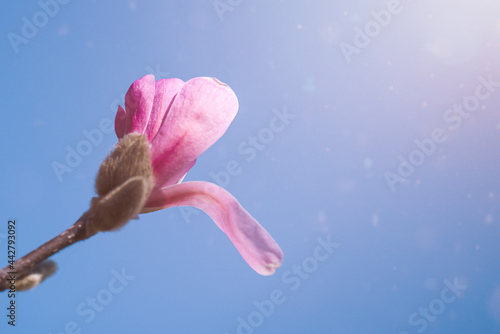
123	184
22	267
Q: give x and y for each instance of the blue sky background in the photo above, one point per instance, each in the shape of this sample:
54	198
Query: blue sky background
323	176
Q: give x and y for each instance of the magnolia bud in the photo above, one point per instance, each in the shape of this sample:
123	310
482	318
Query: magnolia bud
124	182
121	204
130	158
36	275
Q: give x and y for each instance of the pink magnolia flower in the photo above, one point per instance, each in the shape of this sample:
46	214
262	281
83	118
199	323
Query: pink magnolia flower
181	120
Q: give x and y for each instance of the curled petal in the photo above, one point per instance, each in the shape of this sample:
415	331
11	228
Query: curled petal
138	103
253	242
198	116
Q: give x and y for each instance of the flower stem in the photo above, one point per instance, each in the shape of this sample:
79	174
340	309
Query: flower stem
22	267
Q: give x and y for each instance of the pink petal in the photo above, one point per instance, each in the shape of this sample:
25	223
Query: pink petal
121	123
198	116
139	102
253	242
165	91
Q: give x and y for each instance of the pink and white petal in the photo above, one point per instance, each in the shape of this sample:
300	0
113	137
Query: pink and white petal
139	102
253	242
198	116
121	123
165	91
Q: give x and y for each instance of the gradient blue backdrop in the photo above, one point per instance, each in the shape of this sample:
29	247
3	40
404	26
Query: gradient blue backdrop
323	176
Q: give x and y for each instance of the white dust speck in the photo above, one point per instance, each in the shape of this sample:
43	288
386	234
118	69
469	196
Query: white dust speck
63	31
368	163
321	216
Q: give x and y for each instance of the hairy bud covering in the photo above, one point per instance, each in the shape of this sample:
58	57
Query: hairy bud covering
124	182
130	158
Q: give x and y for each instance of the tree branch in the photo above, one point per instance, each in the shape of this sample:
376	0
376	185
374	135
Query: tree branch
22	267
